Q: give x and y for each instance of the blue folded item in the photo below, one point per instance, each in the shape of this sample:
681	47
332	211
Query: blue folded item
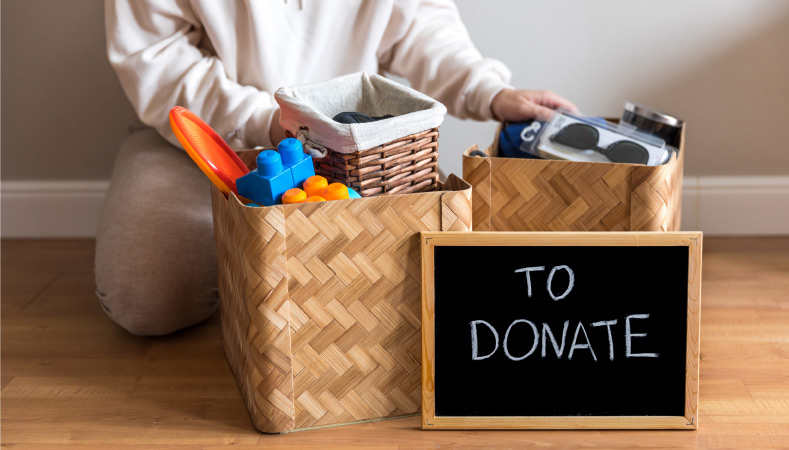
516	138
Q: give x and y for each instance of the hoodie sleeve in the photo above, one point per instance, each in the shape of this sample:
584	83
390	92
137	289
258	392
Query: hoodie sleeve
153	45
427	43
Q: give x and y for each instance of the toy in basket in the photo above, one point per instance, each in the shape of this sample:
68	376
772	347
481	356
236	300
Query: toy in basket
395	155
275	180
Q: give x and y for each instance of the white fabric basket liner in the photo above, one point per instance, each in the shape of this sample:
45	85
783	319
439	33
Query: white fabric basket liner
313	105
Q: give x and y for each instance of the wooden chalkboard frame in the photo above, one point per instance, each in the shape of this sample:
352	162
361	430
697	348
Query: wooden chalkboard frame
430	240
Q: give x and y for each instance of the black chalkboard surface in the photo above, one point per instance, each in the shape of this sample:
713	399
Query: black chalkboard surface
560	330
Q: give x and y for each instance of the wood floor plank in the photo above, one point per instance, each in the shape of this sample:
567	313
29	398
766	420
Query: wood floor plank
73	379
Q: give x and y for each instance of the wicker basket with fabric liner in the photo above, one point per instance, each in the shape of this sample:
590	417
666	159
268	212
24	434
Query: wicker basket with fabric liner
397	155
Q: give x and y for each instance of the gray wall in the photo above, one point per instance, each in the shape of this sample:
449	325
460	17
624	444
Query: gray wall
723	65
63	110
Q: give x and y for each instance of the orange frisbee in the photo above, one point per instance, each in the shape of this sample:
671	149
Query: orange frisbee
211	153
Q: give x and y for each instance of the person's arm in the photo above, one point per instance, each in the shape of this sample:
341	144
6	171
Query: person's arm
153	45
427	43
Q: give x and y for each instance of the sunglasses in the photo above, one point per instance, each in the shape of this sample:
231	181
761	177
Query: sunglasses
585	137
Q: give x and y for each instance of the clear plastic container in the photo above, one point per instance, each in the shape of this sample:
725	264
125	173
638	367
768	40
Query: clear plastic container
575	137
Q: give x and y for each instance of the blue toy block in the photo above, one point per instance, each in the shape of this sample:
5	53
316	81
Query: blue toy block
294	158
353	194
290	150
302	170
266	184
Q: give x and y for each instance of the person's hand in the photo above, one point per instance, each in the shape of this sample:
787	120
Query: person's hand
519	105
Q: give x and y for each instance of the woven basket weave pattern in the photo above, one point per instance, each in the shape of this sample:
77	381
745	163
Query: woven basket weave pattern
408	164
321	304
512	194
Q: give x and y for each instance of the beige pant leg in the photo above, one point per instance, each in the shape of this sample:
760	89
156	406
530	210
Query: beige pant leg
155	262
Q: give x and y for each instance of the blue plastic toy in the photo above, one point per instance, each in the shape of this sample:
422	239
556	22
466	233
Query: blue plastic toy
266	184
294	158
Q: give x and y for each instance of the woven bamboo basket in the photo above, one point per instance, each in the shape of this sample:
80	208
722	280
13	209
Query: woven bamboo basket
405	165
513	194
320	303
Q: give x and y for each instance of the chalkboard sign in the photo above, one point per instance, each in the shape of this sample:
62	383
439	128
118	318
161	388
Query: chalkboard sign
560	330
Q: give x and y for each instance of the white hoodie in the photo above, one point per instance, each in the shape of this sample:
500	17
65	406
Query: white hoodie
224	59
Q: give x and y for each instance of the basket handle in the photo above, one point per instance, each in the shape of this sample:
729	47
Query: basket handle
477	172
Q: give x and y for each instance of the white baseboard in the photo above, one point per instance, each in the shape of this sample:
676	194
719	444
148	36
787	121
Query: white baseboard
752	206
50	209
748	206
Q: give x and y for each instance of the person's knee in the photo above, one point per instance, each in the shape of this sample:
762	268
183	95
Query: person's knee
136	321
144	311
155	284
155	262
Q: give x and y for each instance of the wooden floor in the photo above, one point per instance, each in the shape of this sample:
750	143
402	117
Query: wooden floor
71	377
